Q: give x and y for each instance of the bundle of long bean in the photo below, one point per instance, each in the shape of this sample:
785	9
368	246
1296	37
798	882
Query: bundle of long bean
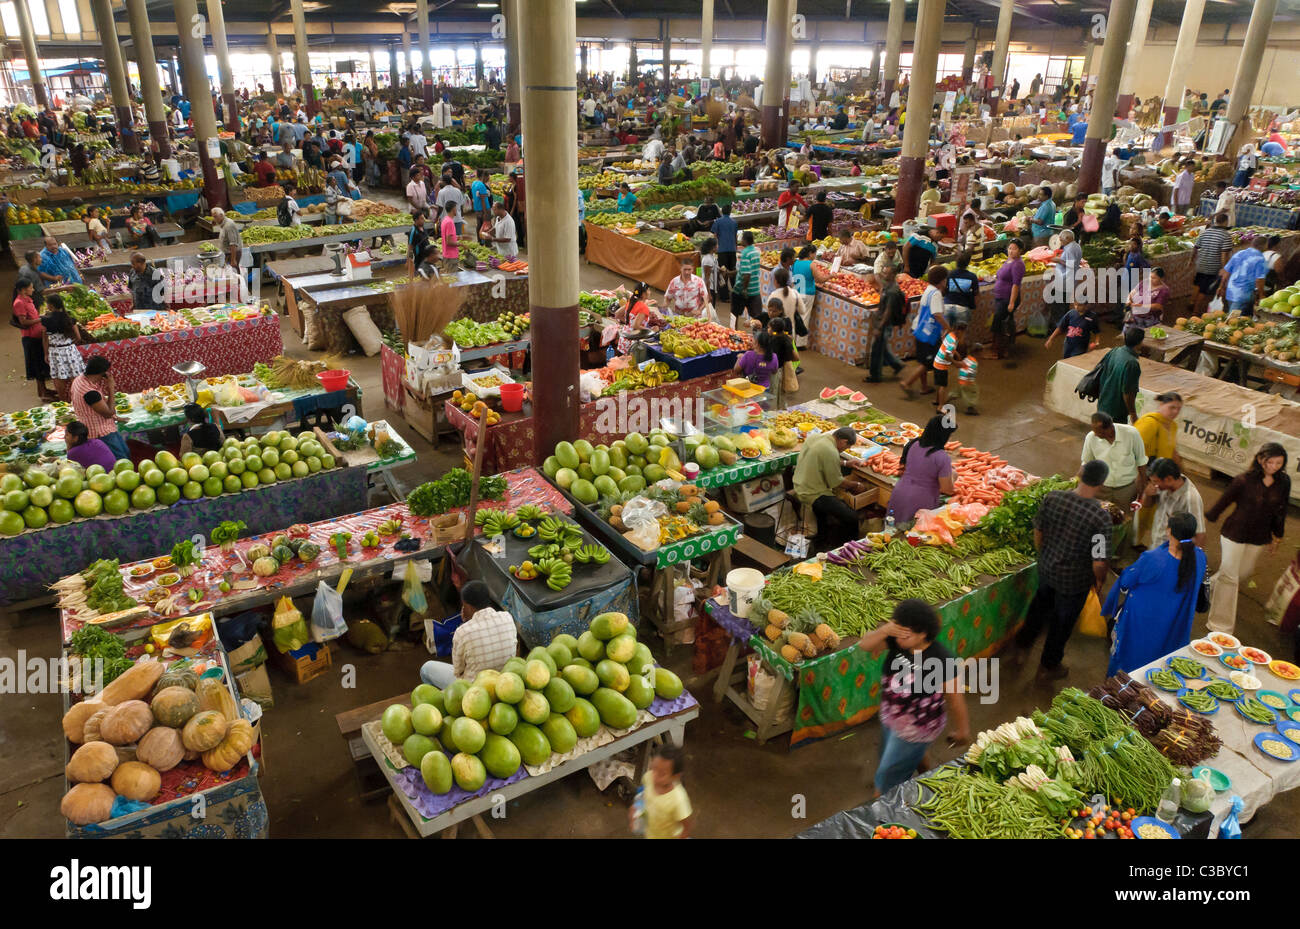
1130	768
971	806
847	605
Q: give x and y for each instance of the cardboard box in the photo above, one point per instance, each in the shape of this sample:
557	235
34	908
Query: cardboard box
303	664
250	655
256	686
755	495
419	415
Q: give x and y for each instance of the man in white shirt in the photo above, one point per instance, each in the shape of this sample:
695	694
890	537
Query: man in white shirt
447	195
503	232
290	204
1171	492
417	192
869	129
1109	173
589	108
653	151
1227	203
485	641
419	144
1121	447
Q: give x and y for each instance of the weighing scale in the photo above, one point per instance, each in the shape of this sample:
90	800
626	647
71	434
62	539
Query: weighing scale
192	371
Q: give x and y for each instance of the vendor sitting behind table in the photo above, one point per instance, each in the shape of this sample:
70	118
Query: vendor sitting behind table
144	280
200	435
484	641
86	451
817	475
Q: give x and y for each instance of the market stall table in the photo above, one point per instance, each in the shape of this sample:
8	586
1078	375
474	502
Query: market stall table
36	556
383	468
510	442
1178	347
1257	214
523	487
1214	432
226	347
1224	358
635	259
414	800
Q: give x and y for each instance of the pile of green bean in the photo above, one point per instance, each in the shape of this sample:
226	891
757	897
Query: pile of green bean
971	806
1130	768
1224	690
998	562
1166	679
1187	667
1256	712
1199	701
847	605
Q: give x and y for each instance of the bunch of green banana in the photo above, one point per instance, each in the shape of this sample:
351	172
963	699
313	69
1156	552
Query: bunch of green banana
530	512
498	522
551	529
390	527
591	554
541	552
558	574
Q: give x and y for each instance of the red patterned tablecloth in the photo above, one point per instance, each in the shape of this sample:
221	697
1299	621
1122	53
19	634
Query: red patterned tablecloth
510	442
227	347
392	367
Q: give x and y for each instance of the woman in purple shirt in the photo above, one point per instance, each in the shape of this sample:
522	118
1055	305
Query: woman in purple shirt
927	472
1006	298
86	451
759	363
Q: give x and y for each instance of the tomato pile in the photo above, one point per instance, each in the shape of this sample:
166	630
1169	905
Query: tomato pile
1096	823
715	335
910	286
893	832
847	284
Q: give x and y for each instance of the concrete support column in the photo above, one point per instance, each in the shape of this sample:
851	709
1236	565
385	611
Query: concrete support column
552	145
789	71
706	38
301	59
150	89
582	62
812	62
102	12
1184	50
1089	52
1243	82
893	45
668	57
374	70
1001	44
217	26
1128	77
916	132
478	63
513	10
877	53
632	64
426	65
205	120
777	36
1119	25
394	73
31	55
968	58
277	78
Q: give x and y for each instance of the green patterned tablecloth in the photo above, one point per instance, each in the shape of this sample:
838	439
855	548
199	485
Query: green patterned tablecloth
747	469
696	546
842	689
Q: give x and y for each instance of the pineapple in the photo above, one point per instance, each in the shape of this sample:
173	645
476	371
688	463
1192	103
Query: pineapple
791	654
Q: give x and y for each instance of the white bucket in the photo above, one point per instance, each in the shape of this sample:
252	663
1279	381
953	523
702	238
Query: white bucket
743	588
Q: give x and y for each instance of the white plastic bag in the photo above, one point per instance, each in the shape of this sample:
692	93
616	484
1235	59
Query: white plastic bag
1215	304
327	614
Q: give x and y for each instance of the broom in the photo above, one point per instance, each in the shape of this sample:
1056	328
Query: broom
423	308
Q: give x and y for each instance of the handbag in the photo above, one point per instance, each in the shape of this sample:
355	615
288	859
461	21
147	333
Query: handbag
1090	618
1203	597
1089	386
789	380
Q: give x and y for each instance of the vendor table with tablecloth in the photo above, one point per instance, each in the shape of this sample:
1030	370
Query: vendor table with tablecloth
510	442
629	257
1257	214
226	347
36	557
842	688
1214	430
525	486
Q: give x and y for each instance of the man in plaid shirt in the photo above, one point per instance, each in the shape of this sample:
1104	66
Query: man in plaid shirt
486	640
1072	535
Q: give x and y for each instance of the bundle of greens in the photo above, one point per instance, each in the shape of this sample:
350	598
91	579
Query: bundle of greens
227	533
971	806
90	643
83	304
1011	523
104	592
452	490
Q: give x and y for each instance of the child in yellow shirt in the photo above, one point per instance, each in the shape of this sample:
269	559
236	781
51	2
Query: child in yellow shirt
666	808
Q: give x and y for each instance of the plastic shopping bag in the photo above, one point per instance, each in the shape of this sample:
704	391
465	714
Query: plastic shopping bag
413	591
288	628
1090	621
1215	304
327	614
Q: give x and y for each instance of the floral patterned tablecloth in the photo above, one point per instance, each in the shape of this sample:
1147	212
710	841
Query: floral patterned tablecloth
510	442
227	347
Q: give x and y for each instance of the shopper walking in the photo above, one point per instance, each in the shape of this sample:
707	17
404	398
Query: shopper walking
1006	300
62	335
1121	447
891	315
1159	593
1073	536
28	321
1259	502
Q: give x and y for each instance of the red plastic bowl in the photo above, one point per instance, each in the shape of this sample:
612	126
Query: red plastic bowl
334	380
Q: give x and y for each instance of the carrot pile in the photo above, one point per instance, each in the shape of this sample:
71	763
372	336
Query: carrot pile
514	266
982	477
102	320
886	463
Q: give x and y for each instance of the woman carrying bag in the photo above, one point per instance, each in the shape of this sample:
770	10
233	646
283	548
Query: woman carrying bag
1163	587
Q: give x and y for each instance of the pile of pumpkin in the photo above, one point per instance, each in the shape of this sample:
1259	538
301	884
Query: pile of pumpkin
126	743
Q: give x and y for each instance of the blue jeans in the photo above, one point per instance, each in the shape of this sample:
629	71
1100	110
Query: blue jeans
116	444
437	673
898	760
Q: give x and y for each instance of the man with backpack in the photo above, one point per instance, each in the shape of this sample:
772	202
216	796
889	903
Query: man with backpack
288	213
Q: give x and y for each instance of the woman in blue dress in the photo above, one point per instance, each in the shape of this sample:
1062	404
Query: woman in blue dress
1162	586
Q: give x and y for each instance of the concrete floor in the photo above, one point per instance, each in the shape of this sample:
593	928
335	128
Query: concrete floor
739	788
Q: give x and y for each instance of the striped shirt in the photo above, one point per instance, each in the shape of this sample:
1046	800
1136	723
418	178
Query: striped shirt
750	265
946	355
969	368
486	641
1210	246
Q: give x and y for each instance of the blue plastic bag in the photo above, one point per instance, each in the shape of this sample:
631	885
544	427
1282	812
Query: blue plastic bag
1230	828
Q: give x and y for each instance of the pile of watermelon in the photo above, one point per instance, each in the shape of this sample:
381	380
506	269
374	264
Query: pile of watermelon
531	708
843	393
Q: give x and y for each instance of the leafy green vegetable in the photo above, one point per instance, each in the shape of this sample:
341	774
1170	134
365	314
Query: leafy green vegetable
104	592
452	490
228	531
1011	523
90	643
